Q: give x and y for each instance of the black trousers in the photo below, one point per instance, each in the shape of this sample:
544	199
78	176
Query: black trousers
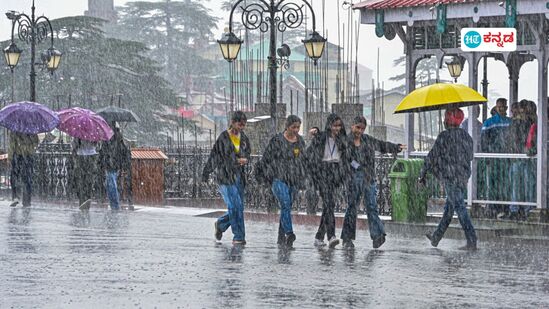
85	176
330	178
21	174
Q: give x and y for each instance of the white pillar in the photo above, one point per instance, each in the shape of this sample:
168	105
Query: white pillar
542	131
410	86
472	59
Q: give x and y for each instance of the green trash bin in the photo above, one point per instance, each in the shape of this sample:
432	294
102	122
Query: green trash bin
409	200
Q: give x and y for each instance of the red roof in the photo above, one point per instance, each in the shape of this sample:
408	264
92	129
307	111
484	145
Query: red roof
394	4
148	154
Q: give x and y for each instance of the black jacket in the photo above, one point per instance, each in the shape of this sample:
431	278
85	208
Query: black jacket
283	160
368	146
516	136
114	155
450	158
315	153
223	159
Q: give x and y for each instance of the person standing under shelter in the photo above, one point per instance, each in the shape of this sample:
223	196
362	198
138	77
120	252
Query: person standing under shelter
230	154
113	155
450	162
517	138
494	140
283	165
21	154
362	182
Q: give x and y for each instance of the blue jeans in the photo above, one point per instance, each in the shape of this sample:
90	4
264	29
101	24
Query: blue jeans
112	189
455	202
284	194
358	187
233	195
521	184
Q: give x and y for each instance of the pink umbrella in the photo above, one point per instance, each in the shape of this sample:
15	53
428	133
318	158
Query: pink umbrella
84	124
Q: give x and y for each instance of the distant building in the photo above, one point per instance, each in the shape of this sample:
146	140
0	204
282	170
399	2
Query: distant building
103	9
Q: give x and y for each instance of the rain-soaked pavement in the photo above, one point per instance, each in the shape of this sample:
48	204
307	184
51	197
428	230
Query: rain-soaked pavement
54	257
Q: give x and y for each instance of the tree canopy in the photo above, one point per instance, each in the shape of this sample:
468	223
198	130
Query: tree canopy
176	33
94	71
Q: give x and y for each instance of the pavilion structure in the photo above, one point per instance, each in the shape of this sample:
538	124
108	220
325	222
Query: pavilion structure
431	28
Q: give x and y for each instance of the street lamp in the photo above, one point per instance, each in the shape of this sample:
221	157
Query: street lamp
12	54
32	31
454	68
230	46
314	46
272	16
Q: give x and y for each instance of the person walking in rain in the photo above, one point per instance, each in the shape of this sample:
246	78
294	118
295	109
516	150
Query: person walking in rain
21	152
112	157
450	162
85	166
283	164
361	155
328	167
230	154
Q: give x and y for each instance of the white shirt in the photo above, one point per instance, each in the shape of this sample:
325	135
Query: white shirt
86	149
331	152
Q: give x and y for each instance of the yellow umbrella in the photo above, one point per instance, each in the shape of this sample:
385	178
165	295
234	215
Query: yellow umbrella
439	96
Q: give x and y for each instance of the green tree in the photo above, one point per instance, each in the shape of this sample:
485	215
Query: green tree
425	72
176	33
93	70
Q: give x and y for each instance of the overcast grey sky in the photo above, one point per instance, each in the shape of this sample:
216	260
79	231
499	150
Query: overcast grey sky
369	43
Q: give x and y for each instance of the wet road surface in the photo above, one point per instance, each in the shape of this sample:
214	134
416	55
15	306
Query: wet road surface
54	257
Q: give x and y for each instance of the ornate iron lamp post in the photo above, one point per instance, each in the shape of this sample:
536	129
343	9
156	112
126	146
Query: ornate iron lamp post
32	31
273	16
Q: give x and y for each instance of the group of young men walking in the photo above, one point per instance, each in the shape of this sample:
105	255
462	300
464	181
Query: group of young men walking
332	159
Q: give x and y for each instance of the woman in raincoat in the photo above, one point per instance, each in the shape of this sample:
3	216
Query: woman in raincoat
230	154
283	165
329	168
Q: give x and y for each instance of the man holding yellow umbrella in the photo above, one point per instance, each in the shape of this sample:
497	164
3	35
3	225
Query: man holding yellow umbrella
450	157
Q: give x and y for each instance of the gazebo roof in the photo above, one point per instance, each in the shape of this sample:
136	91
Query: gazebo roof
394	4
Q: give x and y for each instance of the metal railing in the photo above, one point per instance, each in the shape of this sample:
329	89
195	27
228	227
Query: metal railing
53	179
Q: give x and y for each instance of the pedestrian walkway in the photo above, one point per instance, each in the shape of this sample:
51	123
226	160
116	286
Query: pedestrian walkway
61	257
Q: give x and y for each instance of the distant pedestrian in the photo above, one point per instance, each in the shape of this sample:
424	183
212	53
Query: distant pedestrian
450	162
362	182
283	164
493	138
518	170
230	154
85	170
112	157
329	169
21	154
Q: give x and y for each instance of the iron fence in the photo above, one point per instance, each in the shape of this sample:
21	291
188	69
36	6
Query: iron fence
53	179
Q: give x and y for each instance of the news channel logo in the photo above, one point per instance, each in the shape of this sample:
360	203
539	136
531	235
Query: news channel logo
472	39
488	39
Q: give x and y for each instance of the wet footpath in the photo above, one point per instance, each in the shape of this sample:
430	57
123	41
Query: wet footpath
57	257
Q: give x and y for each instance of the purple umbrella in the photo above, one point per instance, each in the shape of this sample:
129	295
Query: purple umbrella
84	124
28	118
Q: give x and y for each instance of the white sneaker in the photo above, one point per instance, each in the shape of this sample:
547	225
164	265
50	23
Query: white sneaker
333	242
319	243
14	203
